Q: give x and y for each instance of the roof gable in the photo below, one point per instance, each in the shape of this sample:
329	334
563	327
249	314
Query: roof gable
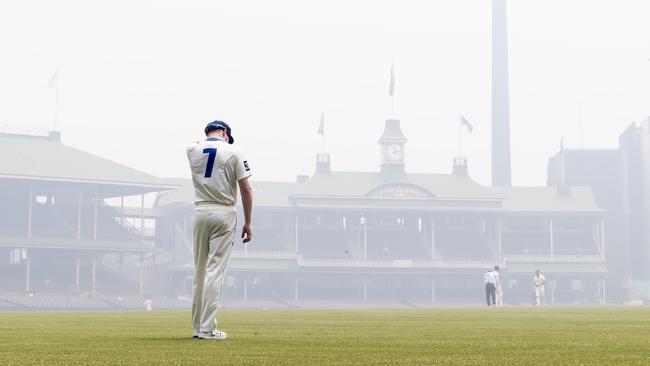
38	157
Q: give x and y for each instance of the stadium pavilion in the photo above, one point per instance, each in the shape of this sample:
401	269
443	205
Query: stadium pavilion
58	234
387	235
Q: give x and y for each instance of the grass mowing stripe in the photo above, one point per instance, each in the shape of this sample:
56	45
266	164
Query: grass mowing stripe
504	336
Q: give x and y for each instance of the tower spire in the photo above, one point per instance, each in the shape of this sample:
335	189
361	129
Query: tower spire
501	165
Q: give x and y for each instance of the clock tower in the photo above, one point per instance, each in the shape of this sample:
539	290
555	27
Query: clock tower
392	143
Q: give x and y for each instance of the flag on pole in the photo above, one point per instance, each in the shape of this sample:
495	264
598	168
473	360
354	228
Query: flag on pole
391	87
464	122
321	127
52	82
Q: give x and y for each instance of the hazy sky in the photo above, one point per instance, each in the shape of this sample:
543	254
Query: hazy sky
140	79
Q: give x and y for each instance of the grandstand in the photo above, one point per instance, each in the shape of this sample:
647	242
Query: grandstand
390	235
75	233
58	233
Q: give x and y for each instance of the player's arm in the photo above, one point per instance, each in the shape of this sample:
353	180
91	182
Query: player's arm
246	192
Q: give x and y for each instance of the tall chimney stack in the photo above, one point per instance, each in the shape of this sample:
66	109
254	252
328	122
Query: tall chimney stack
500	97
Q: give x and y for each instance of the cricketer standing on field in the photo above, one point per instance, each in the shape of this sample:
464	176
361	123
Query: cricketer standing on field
539	280
217	169
497	284
490	288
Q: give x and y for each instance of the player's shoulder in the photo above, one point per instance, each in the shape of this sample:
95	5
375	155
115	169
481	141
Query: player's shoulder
192	146
231	150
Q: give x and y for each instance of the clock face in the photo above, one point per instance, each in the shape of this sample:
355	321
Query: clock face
394	152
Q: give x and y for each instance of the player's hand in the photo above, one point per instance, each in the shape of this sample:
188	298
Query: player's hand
246	233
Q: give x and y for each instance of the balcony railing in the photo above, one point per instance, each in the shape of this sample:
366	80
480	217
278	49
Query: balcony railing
394	263
264	254
415	263
553	259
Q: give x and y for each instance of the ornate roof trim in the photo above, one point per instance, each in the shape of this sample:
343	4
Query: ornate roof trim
400	190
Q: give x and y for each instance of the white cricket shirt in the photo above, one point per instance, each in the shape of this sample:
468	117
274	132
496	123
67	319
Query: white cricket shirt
488	277
216	168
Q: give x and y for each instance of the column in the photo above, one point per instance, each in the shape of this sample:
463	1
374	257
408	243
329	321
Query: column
365	241
551	241
602	238
142	216
552	286
433	290
28	272
141	282
94	275
95	217
29	214
122	210
365	290
295	289
245	288
79	216
500	238
433	239
153	274
77	273
296	234
604	291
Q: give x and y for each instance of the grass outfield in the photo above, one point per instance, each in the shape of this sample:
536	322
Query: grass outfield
489	336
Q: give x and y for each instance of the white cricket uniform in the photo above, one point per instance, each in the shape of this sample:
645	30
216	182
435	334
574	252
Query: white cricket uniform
499	290
216	169
539	282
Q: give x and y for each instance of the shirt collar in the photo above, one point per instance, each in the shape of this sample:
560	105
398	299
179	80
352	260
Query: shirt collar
213	139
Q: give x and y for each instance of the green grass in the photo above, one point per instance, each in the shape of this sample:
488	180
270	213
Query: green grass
494	336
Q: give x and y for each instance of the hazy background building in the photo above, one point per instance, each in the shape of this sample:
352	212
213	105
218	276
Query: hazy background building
82	231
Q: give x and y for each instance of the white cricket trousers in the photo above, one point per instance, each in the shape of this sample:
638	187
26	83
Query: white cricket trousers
213	233
539	295
499	296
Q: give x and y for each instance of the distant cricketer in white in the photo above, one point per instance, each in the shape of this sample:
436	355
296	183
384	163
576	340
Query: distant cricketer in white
217	169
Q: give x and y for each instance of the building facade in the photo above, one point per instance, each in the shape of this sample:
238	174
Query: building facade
59	234
391	235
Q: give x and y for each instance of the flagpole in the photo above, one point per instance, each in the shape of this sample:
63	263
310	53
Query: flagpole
581	130
563	163
56	104
460	137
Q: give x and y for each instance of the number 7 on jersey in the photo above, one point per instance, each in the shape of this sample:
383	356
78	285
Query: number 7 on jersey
212	154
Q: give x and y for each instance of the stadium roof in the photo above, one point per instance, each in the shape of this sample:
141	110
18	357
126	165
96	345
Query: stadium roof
350	190
47	158
79	244
267	194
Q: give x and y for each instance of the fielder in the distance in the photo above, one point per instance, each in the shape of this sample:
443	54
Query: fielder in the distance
218	168
490	288
497	284
539	281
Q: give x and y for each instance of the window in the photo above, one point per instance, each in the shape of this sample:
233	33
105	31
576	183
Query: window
576	285
16	256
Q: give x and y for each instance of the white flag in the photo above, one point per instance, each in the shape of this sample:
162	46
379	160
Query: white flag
465	122
53	79
391	87
321	127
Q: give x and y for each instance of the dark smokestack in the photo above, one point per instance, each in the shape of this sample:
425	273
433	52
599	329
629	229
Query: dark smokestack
500	97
